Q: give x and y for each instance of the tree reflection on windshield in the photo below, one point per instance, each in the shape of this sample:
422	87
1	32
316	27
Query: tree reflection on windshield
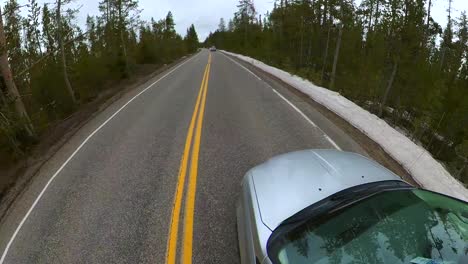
391	227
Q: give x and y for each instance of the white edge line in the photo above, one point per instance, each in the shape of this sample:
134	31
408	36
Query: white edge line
18	228
287	101
307	118
242	66
295	108
332	142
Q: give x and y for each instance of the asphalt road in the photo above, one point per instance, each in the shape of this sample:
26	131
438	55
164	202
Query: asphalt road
113	198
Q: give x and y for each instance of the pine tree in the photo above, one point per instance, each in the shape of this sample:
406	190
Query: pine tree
33	34
92	35
169	26
13	27
221	25
48	29
118	15
191	39
58	20
244	18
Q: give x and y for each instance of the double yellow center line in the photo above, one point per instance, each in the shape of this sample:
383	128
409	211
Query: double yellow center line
195	125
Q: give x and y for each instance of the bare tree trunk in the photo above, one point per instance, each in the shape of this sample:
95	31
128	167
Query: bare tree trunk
319	13
371	13
38	43
62	51
124	51
2	97
389	87
324	17
442	59
450	11
337	54
107	11
10	83
302	40
377	11
245	34
325	55
428	14
122	40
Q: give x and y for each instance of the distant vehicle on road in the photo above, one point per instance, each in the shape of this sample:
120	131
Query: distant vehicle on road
326	206
212	48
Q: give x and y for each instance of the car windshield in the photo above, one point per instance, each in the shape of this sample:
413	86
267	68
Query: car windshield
407	226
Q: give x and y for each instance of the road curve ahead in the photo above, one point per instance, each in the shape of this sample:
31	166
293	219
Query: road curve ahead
154	178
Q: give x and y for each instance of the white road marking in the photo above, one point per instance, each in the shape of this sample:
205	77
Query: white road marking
291	104
242	66
287	101
307	118
5	252
295	108
332	141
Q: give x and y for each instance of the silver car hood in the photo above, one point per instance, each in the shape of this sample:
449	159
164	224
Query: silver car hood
286	184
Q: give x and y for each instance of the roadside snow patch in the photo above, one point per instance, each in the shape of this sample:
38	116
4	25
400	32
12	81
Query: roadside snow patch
425	170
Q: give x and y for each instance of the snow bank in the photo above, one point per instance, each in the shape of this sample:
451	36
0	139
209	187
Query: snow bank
428	172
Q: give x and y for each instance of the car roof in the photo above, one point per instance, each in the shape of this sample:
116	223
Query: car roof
286	184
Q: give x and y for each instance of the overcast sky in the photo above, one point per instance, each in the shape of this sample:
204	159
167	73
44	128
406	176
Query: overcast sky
206	14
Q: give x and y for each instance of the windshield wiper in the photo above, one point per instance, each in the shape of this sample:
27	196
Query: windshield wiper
337	202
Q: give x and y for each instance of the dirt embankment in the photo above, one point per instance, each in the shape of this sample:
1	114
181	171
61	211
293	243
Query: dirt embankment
16	176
